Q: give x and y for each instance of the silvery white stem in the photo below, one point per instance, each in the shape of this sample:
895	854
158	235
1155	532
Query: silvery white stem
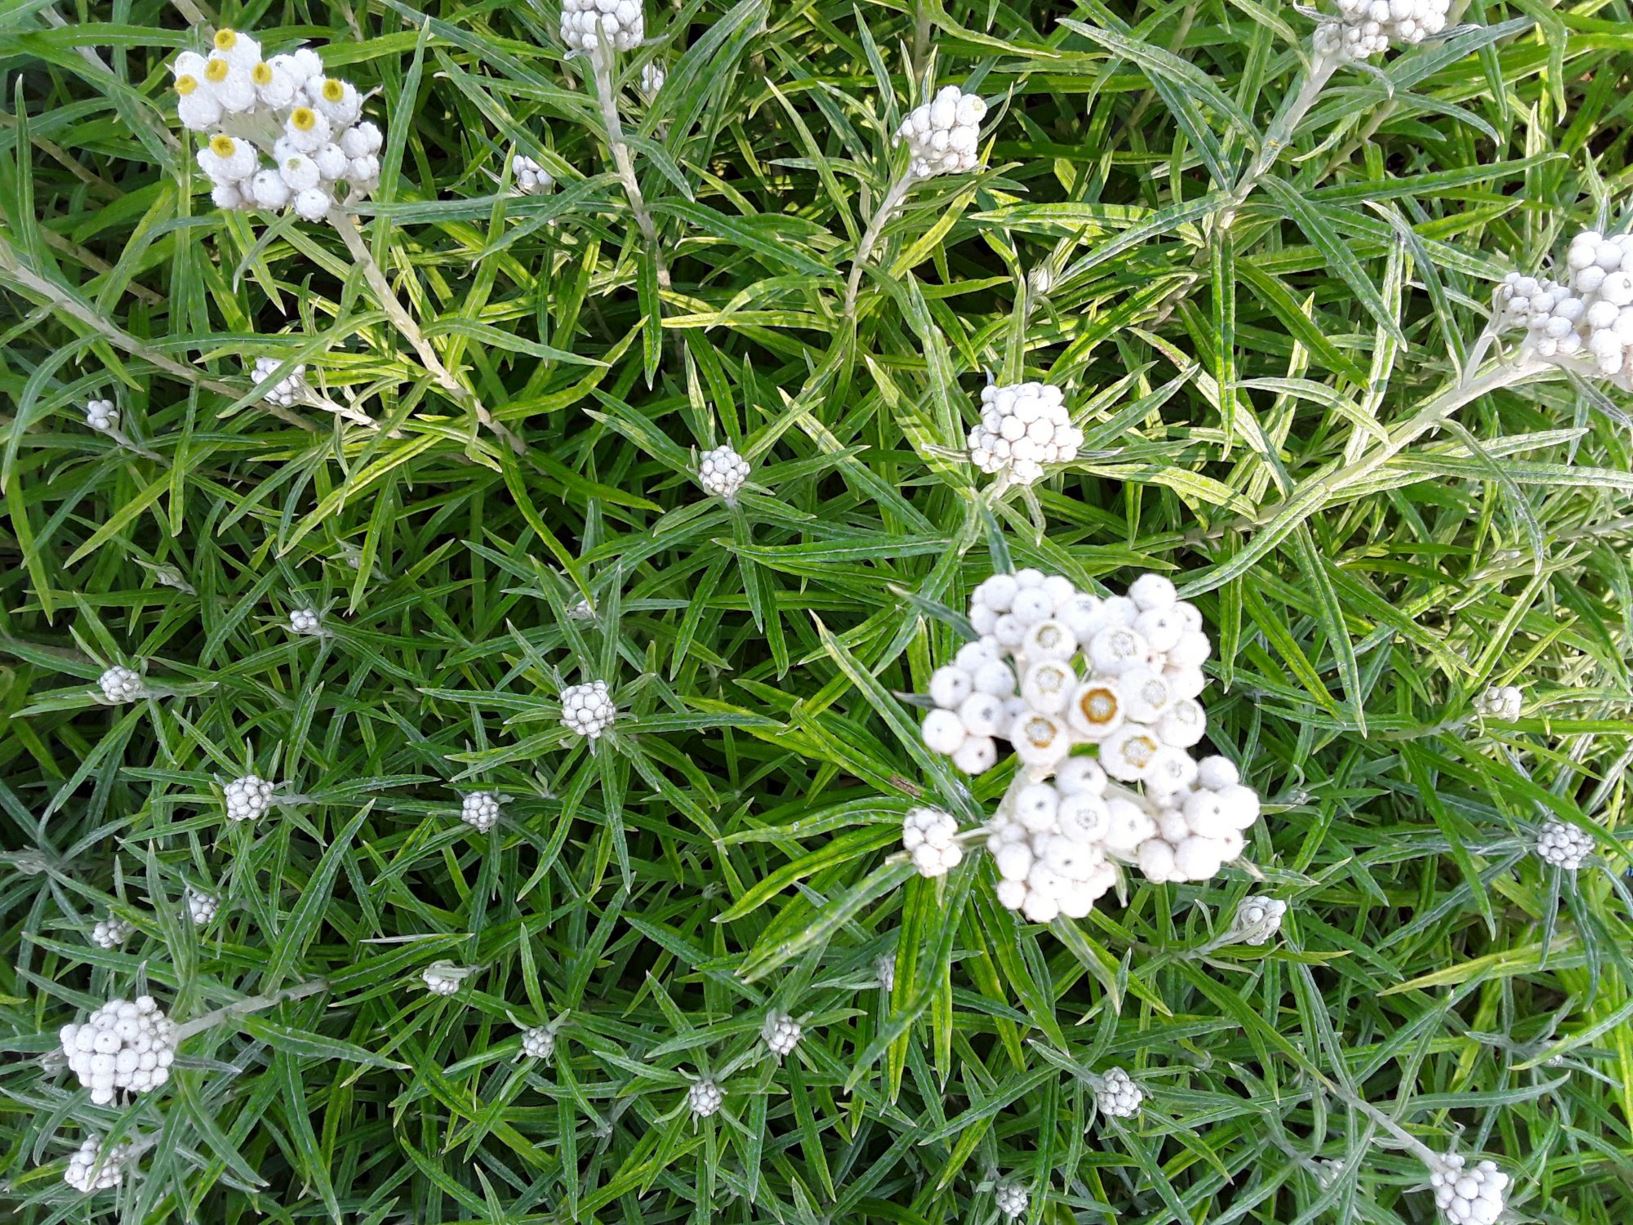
601	64
1282	129
253	1003
892	201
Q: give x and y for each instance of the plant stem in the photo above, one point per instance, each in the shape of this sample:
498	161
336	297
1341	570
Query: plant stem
892	201
253	1003
1282	129
606	93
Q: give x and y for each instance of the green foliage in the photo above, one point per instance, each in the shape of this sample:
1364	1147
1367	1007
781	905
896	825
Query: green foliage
1251	398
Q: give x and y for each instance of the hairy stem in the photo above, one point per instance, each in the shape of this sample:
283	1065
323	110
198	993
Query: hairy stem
606	93
253	1003
870	239
1282	129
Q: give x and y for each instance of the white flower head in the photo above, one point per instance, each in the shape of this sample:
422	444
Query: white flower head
1468	1195
529	177
1583	324
305	621
930	836
248	798
123	1045
705	1098
652	78
1024	426
111	932
1118	1096
943	133
722	472
1501	702
781	1033
443	977
91	1168
1258	919
538	1042
101	416
587	710
1012	1200
288	391
121	684
480	810
1364	28
201	906
617	25
1563	846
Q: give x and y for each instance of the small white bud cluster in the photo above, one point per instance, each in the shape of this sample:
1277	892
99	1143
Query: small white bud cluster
1365	28
90	1169
884	969
201	906
1468	1196
1050	842
722	472
248	798
480	810
705	1098
1563	846
652	78
588	24
121	684
1118	1096
1585	323
307	125
530	178
587	709
1258	919
781	1033
122	1045
305	621
1023	427
1502	702
111	932
442	977
942	134
288	391
538	1042
101	416
930	836
1012	1200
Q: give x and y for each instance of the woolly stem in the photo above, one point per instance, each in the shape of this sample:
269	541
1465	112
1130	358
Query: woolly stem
1402	1137
870	238
1282	128
253	1003
606	93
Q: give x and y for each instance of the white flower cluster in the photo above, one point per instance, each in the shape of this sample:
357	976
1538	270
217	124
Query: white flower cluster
587	709
101	416
1118	1096
588	24
722	472
1502	702
121	684
1023	427
1469	1196
705	1098
442	977
942	134
1563	846
90	1169
308	125
305	621
1584	323
538	1042
1118	679
111	932
122	1045
1012	1200
652	78
781	1033
248	798
480	810
1365	28
1258	919
930	836
288	391
530	178
201	906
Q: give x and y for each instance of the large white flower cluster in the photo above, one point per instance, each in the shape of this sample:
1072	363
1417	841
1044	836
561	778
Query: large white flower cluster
288	391
480	810
930	836
248	798
1365	28
588	24
942	134
587	709
1023	427
283	111
122	1045
1084	688
111	932
121	684
722	472
705	1098
1118	1096
1563	846
91	1169
1469	1196
781	1033
1584	323
1011	1200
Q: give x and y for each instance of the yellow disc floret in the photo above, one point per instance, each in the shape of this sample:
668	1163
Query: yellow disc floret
304	118
261	74
222	145
333	90
225	39
186	83
215	71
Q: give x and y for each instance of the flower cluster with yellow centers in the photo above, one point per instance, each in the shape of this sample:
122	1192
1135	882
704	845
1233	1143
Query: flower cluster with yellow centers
283	110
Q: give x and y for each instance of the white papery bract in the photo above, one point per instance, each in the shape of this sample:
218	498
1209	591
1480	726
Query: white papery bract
1258	919
121	684
288	391
282	134
930	836
1584	323
587	709
305	621
884	970
1023	427
248	798
91	1169
1118	1096
1563	846
1469	1196
201	907
781	1033
530	178
652	78
1365	28
538	1042
705	1098
480	810
442	977
943	133
1012	1200
111	932
122	1045
722	472
615	24
1503	702
101	415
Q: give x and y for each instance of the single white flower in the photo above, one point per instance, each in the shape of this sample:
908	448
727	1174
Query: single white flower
722	472
121	1046
587	709
705	1097
248	798
480	810
1118	1096
1468	1195
121	684
111	932
91	1168
943	133
781	1033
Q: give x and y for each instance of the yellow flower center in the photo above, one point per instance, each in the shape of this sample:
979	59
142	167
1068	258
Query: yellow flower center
186	84
225	39
333	90
215	71
222	145
261	74
304	118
